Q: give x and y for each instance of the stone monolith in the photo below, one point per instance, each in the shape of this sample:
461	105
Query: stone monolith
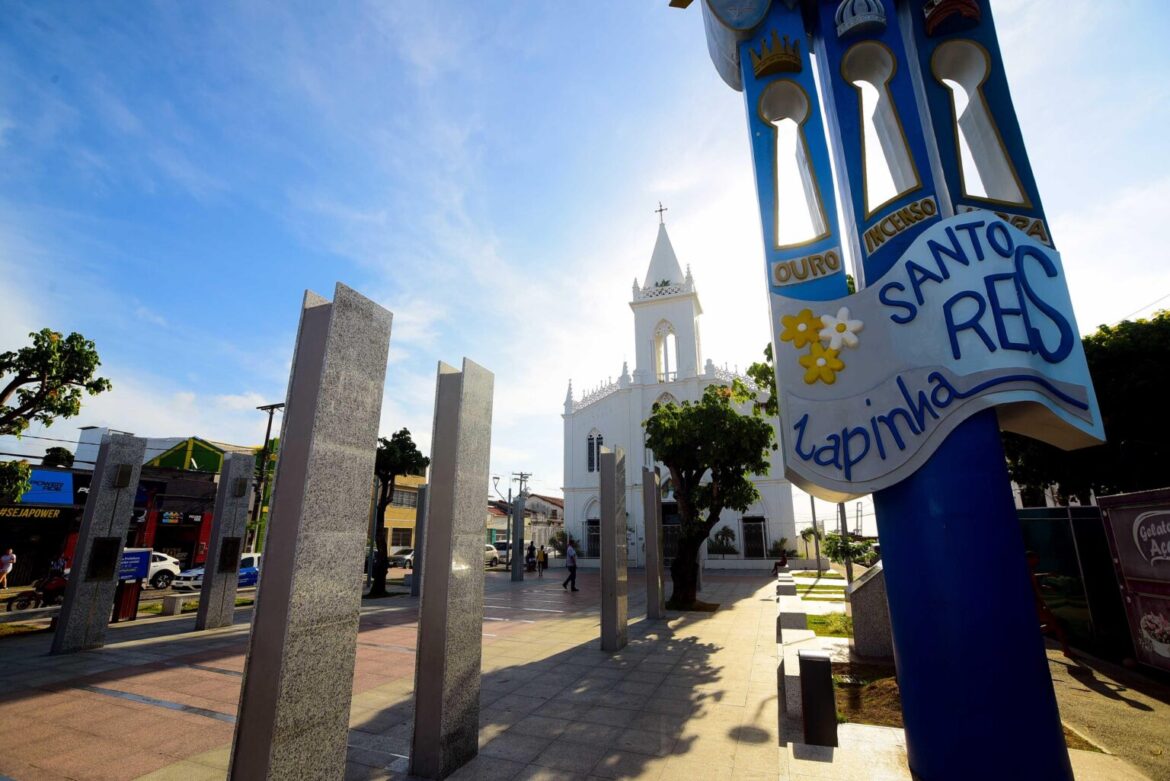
221	570
298	676
652	512
93	579
614	585
450	624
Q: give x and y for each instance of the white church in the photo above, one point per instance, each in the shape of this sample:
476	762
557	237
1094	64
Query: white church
669	367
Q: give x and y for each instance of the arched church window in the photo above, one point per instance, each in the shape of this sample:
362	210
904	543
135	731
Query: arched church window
800	215
665	352
985	167
888	167
667	398
593	451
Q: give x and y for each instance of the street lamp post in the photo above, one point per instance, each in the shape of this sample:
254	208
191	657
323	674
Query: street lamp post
261	478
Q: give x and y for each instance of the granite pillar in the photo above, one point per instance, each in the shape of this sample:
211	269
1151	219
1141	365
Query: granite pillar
450	622
298	675
518	550
217	598
420	541
866	602
89	597
652	512
614	587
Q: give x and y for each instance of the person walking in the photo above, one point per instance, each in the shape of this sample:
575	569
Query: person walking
571	563
7	562
541	562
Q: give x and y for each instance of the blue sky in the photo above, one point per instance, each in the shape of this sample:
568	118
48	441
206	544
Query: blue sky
175	175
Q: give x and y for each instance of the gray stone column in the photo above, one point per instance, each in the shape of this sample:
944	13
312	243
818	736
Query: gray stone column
217	598
93	578
652	513
420	541
518	550
298	676
450	620
614	586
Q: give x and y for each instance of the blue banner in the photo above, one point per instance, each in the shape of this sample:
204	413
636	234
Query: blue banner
49	486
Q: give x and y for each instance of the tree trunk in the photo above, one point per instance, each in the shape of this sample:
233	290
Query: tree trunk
684	573
382	554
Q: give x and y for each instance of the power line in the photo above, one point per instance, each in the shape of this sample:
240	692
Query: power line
1143	308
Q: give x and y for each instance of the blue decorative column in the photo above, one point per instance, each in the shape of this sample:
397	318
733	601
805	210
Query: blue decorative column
963	311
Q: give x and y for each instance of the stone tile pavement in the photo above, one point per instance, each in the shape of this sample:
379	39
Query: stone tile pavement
693	696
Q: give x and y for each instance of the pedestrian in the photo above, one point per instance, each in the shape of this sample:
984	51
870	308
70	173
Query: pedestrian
541	562
571	563
7	562
530	557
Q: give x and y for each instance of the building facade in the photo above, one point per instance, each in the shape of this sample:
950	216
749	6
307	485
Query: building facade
669	367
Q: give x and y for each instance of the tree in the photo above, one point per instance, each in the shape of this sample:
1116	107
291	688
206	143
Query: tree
14	480
40	383
809	534
1130	366
46	380
709	449
57	456
722	541
396	456
845	549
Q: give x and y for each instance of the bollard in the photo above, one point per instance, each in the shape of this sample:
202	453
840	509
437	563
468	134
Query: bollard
818	703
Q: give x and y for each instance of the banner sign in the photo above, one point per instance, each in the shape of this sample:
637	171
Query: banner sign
975	314
1138	526
49	486
135	564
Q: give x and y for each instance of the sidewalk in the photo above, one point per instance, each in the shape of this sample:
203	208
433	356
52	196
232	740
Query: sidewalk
695	694
692	697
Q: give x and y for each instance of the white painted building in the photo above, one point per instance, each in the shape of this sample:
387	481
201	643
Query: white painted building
669	366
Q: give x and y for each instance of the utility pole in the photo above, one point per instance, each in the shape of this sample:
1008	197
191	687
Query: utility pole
516	547
846	540
262	475
812	503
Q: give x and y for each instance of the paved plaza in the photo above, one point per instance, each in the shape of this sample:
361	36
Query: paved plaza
692	697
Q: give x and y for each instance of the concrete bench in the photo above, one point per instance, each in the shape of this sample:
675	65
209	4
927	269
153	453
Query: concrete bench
173	603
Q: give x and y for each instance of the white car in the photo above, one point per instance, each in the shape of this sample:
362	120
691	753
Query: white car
163	570
491	556
249	574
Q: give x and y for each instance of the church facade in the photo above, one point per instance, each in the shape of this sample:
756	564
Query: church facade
669	367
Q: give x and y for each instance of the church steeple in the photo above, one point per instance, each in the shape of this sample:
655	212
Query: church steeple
664	269
666	317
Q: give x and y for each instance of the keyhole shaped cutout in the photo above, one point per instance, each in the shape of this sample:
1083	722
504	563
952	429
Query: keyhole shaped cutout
800	215
888	169
985	167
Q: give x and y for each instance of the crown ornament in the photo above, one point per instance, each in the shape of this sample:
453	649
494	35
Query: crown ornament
857	17
949	16
781	57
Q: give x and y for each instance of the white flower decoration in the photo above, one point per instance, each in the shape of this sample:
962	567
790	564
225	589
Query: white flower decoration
840	330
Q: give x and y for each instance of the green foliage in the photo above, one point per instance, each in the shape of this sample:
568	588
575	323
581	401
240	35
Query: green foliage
559	542
396	456
14	480
709	440
721	542
831	625
779	548
838	548
764	376
57	456
46	380
1130	366
710	450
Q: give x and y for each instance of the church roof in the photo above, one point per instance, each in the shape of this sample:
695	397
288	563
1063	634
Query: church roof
664	269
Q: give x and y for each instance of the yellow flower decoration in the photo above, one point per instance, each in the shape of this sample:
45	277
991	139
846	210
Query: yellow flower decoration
821	364
800	329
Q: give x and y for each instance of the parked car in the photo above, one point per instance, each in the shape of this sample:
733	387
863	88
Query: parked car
163	570
249	574
403	558
491	557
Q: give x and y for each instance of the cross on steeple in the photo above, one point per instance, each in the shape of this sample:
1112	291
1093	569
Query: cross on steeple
659	211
